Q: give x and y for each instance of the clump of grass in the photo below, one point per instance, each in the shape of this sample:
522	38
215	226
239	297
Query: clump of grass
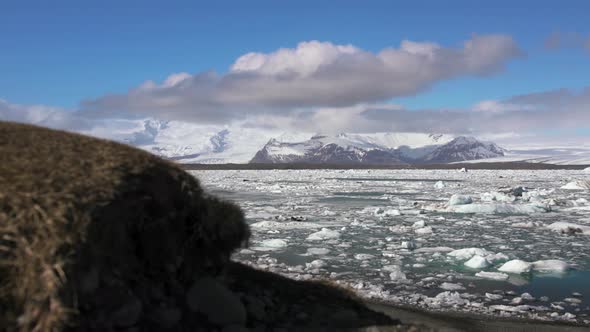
70	204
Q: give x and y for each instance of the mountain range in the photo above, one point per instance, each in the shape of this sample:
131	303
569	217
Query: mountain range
380	148
190	143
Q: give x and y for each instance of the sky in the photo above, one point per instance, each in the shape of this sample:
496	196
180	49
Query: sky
494	68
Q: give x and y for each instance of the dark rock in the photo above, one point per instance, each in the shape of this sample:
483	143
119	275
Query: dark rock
167	317
216	302
128	314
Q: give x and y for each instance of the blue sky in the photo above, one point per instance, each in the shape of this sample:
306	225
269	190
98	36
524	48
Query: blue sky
60	53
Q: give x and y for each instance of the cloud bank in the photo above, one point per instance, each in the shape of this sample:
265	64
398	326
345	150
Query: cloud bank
312	75
535	112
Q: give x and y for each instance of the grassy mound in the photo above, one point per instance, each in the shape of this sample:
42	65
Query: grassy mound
88	227
99	236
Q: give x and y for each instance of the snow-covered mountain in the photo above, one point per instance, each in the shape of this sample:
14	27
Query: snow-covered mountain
463	148
193	143
325	149
381	148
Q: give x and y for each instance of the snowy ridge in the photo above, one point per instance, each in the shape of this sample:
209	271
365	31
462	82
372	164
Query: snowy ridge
380	148
464	148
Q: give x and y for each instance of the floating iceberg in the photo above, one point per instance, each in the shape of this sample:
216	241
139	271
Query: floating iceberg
516	266
477	262
467	253
577	185
324	234
492	275
460	200
499	208
274	243
569	228
551	265
497	197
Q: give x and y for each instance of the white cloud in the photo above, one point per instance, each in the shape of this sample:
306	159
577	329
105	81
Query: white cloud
312	75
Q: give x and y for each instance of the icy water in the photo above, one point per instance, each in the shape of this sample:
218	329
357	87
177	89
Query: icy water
391	235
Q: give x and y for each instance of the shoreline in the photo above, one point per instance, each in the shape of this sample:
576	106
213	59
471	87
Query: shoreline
451	321
468	166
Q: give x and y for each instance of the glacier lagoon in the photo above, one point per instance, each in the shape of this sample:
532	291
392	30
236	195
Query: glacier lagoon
392	236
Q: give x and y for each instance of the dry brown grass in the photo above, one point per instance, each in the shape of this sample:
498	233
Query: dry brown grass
67	200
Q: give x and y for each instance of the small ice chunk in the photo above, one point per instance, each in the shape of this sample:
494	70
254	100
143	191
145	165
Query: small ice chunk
318	251
363	257
391	213
423	230
516	266
550	265
502	307
449	298
395	272
457	199
477	262
324	234
397	275
439	185
500	208
451	286
274	243
492	275
316	264
572	300
569	228
434	249
494	297
467	253
577	185
410	244
419	224
497	197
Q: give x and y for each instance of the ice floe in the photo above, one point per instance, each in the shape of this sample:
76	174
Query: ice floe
477	262
550	265
492	275
516	266
324	234
577	185
499	208
457	199
451	286
569	228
